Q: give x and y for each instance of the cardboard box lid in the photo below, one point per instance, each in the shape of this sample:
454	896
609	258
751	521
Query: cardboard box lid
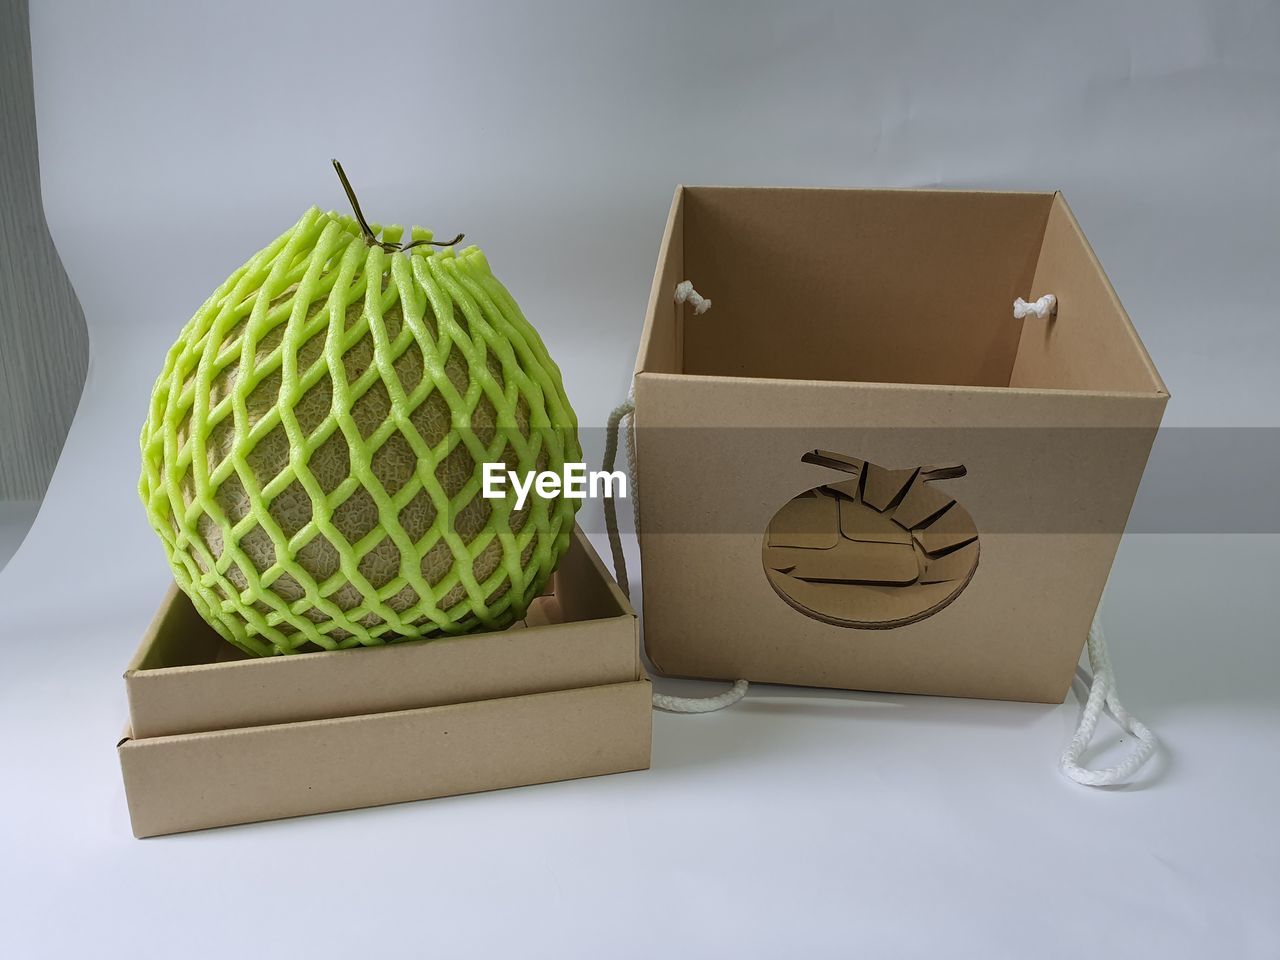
199	780
182	680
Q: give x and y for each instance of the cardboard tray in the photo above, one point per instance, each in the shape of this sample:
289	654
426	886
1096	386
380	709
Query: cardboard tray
215	741
185	678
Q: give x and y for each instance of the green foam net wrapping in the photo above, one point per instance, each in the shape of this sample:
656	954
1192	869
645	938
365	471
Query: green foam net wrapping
312	459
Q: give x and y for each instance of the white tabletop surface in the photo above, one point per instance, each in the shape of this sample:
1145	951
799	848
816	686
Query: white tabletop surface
176	139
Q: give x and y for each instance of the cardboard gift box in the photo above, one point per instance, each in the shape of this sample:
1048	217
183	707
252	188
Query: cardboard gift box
216	738
858	468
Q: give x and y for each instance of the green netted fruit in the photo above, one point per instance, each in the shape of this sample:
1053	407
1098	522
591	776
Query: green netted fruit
313	456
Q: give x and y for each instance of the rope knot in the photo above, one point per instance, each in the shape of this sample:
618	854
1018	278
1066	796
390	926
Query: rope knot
1043	308
686	293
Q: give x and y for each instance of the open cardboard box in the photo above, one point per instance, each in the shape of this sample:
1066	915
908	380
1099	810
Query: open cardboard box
898	486
215	739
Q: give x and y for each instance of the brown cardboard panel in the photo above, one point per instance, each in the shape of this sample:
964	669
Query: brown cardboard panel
879	606
845	489
859	523
1090	344
883	486
950	566
851	561
840	339
178	636
662	341
1016	630
836	461
809	521
891	286
180	682
199	780
921	503
542	612
952	529
585	588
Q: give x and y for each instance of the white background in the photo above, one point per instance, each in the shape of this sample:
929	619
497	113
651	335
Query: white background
177	138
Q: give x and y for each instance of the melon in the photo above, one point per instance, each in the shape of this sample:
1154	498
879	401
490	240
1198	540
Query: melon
312	458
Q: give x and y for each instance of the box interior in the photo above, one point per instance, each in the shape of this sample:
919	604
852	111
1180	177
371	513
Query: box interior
888	286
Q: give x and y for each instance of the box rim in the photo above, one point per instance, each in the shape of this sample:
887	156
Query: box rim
919	387
127	737
848	189
134	670
1057	196
190	668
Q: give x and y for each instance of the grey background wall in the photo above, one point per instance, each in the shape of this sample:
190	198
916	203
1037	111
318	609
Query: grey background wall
44	346
176	140
178	137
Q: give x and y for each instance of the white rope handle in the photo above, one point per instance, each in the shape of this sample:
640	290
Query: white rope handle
1043	308
626	411
661	701
701	704
1102	686
622	411
686	293
1102	695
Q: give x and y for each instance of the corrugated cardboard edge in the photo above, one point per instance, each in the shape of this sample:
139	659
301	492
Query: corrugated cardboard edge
195	781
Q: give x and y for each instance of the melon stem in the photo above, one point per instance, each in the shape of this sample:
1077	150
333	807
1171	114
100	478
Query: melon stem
369	236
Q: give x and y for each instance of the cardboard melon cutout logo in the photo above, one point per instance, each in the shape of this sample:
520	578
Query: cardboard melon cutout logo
883	549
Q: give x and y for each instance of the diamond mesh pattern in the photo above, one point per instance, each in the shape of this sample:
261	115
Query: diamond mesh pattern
312	457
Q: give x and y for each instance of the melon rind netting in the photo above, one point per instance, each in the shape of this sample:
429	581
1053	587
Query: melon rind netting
312	457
